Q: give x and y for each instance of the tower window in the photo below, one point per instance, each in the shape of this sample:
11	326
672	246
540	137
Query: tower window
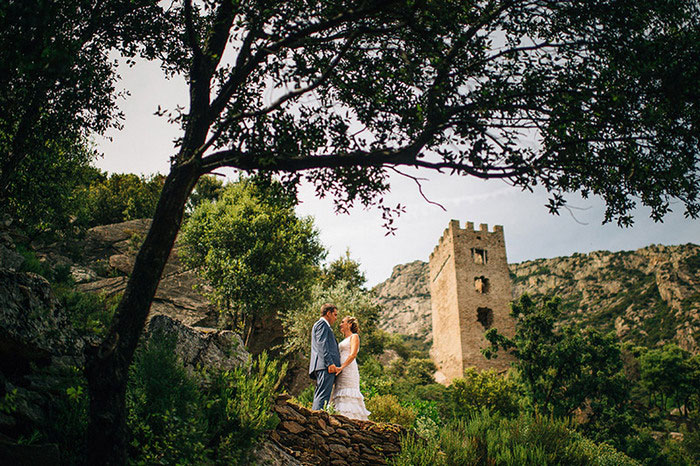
484	316
479	255
481	284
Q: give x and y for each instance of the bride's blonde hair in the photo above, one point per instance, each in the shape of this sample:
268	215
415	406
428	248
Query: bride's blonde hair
354	325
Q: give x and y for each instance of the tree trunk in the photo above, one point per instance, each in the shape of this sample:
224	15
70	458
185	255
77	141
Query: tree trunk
107	365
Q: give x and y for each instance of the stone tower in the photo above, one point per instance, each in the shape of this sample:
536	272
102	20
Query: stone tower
470	292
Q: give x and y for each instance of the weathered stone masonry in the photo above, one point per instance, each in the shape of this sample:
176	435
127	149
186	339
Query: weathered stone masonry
315	437
470	292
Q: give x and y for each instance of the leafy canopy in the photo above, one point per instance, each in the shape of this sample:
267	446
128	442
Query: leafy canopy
57	81
257	254
562	369
597	98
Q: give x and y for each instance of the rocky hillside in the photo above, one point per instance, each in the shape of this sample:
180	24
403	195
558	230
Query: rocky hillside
107	257
647	296
405	298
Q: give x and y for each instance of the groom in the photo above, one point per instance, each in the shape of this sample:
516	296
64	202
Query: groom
325	358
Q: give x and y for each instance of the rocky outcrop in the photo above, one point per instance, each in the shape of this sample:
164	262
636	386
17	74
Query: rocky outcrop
107	257
405	300
33	327
316	437
648	296
39	353
202	347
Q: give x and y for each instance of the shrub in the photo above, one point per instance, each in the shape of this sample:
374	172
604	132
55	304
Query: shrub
68	416
89	313
239	407
165	407
117	198
386	408
306	397
486	438
483	389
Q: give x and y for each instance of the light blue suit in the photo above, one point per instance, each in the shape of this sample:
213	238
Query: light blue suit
324	352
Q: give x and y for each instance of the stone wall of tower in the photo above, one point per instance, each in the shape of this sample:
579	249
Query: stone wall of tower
470	292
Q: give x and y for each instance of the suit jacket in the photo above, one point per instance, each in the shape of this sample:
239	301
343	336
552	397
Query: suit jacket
324	348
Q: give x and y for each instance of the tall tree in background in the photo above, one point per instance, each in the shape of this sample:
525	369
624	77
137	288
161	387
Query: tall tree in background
341	93
259	257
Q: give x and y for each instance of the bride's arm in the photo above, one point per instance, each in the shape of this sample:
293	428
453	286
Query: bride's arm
354	348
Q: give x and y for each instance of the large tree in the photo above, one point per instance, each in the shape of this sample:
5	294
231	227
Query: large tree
57	81
259	257
595	97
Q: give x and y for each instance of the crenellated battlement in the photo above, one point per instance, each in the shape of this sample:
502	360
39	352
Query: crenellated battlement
453	229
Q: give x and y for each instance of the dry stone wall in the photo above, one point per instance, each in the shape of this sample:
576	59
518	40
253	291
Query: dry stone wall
316	437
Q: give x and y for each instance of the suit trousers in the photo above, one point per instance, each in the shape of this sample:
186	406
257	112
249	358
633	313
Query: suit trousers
324	387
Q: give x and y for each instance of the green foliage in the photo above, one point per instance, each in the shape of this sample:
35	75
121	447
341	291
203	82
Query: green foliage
239	407
118	198
68	417
488	439
684	452
57	88
212	417
565	369
414	371
43	195
59	275
88	313
208	189
165	407
343	269
484	389
407	346
560	368
8	403
387	408
257	254
350	302
305	398
671	375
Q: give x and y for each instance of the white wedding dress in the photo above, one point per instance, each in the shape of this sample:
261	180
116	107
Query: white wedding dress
346	397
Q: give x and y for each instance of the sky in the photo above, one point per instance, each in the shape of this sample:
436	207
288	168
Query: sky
145	144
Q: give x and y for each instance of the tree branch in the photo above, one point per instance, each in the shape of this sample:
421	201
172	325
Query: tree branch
191	32
385	157
285	98
420	187
300	37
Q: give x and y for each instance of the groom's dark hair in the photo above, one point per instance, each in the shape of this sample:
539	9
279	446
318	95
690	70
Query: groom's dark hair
326	308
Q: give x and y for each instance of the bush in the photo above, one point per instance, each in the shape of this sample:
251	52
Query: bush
486	438
239	407
306	397
386	408
117	198
483	389
89	313
165	407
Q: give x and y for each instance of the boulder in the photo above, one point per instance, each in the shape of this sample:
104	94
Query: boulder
122	263
202	347
9	258
82	274
39	351
33	327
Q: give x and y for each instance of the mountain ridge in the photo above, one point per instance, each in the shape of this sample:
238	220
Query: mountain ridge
647	296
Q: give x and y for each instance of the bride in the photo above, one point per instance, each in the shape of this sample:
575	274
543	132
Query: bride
346	396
